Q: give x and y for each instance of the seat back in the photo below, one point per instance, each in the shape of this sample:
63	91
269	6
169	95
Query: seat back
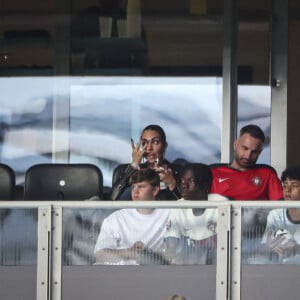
117	173
7	182
63	182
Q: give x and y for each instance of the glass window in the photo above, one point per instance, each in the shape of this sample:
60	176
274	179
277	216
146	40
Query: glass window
173	54
180	236
253	54
254	107
18	236
270	236
107	112
26	119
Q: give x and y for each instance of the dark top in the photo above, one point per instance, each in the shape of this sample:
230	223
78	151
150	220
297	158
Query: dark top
121	187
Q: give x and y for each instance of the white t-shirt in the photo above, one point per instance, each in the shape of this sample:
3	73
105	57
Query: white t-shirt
279	219
196	235
183	222
123	228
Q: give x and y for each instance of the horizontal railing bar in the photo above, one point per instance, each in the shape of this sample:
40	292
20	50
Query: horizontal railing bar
147	204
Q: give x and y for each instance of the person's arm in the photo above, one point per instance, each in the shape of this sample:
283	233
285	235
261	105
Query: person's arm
270	227
166	194
172	237
172	192
284	247
171	245
175	193
123	182
107	255
168	178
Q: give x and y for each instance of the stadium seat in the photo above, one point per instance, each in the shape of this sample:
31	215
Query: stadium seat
63	182
118	172
7	182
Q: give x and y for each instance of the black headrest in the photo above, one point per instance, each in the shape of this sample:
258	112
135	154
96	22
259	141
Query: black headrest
118	172
63	182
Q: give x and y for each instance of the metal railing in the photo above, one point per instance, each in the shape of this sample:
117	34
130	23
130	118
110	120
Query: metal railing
47	248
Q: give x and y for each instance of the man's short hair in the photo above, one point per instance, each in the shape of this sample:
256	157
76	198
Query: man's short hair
291	173
202	175
145	175
254	131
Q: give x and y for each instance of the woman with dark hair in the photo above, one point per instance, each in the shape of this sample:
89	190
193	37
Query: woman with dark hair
151	148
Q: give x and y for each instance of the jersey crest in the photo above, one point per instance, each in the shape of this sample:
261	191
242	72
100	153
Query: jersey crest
256	181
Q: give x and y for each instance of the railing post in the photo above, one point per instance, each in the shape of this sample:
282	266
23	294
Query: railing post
223	229
43	290
56	285
235	253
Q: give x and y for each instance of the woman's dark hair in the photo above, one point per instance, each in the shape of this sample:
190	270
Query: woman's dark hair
145	175
158	129
291	173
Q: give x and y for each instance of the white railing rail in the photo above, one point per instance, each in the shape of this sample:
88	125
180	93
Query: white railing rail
50	238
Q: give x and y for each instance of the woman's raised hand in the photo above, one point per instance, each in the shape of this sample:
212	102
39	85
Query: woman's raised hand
137	153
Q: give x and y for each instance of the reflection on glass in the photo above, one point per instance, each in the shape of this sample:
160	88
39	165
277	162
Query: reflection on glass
126	237
191	236
107	112
80	230
254	107
18	237
269	236
26	122
253	225
282	235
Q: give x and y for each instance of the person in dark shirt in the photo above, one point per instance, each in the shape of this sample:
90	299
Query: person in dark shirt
151	148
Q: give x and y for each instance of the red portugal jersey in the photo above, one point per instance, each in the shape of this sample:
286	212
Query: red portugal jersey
258	183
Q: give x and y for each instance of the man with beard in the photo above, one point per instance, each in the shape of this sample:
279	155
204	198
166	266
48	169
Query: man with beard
243	179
